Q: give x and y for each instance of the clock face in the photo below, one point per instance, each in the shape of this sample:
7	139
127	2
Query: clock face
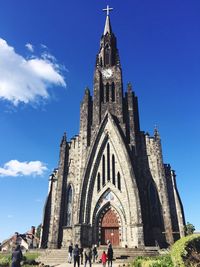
107	73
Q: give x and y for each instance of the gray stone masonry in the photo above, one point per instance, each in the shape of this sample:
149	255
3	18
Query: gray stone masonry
111	181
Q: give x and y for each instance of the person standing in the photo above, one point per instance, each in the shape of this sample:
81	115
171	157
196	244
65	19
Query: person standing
95	253
110	255
70	250
104	259
81	254
88	256
17	257
76	253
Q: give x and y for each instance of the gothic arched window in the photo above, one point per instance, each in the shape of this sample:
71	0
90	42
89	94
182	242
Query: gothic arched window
102	94
108	162
107	92
69	206
98	181
113	169
107	55
101	62
103	171
113	92
119	181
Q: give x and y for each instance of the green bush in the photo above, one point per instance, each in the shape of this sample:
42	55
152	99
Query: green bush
5	260
161	261
186	251
138	261
29	256
28	259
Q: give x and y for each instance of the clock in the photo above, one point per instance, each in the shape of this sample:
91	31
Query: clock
107	73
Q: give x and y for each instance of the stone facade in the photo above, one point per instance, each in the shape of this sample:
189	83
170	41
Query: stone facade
111	182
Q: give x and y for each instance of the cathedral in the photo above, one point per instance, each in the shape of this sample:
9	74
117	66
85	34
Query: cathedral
111	182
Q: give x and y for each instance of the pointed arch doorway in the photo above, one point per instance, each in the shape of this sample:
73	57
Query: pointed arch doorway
110	228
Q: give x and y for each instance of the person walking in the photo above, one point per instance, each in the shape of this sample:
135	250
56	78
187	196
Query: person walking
104	259
110	255
95	253
88	256
76	253
17	257
70	250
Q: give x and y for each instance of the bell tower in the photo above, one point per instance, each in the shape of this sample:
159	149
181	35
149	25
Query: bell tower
108	88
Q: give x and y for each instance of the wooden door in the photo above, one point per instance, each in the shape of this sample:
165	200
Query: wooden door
110	228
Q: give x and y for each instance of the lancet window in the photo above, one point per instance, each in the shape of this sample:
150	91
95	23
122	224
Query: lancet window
107	55
113	92
108	171
113	169
98	182
107	92
119	181
69	207
103	171
108	162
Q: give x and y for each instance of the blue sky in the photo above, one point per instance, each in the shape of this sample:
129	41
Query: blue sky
50	47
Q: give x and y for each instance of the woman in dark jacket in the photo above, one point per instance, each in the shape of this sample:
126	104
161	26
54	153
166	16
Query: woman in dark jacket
110	255
16	257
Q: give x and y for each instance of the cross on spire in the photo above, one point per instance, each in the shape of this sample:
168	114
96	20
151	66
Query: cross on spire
108	9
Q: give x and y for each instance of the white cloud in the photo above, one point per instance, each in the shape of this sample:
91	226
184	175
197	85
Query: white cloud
30	47
38	200
43	46
16	168
27	80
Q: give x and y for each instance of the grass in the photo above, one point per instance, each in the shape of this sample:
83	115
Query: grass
5	259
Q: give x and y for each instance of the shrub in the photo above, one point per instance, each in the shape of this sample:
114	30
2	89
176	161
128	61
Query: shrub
186	251
161	261
29	259
5	260
138	261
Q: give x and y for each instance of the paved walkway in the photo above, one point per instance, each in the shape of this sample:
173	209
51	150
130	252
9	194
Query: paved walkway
115	264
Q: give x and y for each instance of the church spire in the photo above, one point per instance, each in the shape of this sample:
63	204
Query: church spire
108	55
107	28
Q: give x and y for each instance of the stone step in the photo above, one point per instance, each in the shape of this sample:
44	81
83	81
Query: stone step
122	255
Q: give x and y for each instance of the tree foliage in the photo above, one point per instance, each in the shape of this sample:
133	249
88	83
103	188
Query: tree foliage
38	231
189	228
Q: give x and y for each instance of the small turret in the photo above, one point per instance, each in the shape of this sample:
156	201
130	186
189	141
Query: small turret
129	87
64	139
156	134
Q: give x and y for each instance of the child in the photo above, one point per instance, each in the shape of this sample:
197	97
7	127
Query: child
104	259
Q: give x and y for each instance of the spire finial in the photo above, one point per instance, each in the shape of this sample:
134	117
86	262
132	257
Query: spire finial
107	24
108	9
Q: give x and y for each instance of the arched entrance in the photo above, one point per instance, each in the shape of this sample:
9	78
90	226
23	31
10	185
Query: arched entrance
110	228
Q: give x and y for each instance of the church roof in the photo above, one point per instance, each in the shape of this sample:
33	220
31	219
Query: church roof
107	26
